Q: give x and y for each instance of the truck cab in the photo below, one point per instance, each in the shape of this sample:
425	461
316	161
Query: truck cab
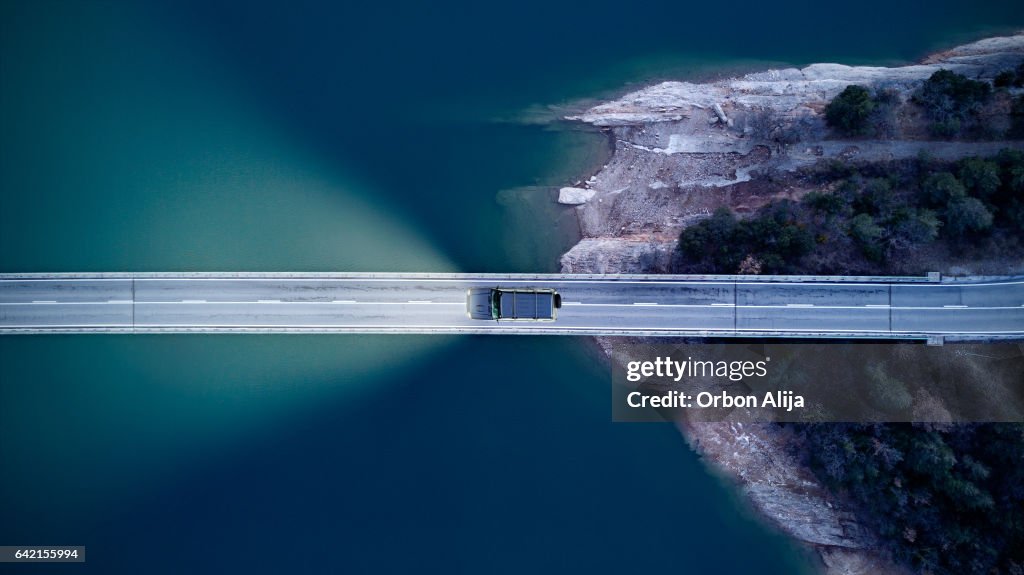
516	304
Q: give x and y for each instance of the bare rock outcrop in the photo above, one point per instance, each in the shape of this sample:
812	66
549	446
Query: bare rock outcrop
775	482
575	196
614	256
675	161
794	91
684	149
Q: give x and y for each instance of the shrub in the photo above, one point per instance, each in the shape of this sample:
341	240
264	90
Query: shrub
1009	199
1011	162
949	88
711	241
911	227
1016	119
873	221
722	243
979	177
848	112
883	121
877	197
946	501
951	100
830	204
939	189
1004	79
947	127
886	392
793	242
868	236
965	215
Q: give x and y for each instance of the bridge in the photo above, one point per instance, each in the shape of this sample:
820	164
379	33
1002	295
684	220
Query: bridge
627	305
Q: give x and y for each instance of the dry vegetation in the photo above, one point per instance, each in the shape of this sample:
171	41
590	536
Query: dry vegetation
943	498
905	217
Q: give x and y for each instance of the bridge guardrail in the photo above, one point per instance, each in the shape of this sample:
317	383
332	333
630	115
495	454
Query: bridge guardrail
930	278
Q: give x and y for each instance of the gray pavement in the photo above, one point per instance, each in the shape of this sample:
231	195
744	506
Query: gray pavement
731	306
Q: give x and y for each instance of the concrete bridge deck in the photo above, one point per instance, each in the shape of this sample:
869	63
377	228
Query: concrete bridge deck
712	306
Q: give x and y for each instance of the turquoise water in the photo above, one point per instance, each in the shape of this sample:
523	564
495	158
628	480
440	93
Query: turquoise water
209	136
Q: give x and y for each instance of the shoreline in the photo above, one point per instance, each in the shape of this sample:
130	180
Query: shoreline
683	149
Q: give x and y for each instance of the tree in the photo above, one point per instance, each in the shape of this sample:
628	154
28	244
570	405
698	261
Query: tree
951	89
886	392
1011	164
980	177
946	502
941	188
850	110
829	204
912	227
868	236
1017	119
965	215
877	197
1010	198
794	242
1004	79
951	100
883	122
712	241
771	242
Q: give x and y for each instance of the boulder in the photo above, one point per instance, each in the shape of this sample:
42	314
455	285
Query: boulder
575	196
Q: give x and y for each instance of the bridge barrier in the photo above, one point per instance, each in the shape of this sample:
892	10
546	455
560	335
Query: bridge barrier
932	277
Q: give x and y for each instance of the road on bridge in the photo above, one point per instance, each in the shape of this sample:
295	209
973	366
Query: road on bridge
592	305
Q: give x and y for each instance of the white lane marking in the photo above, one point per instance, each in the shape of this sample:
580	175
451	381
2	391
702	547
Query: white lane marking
462	303
877	305
634	304
24	279
119	301
193	301
915	282
724	304
44	301
60	303
268	301
959	284
644	303
572	303
419	301
288	303
799	305
41	327
954	306
862	308
507	328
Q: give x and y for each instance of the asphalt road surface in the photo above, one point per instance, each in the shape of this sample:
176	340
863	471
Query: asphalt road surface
592	305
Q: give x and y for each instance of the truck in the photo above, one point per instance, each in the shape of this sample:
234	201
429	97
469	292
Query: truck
515	304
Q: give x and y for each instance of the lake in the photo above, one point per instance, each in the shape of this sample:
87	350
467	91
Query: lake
383	137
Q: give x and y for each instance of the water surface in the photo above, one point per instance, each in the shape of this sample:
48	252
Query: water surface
261	136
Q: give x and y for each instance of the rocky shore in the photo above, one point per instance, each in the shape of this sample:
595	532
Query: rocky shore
681	150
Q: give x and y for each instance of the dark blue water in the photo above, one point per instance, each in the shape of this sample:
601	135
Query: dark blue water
257	136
